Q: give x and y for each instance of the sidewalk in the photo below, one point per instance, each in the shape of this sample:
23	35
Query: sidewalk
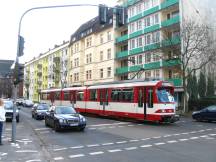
27	147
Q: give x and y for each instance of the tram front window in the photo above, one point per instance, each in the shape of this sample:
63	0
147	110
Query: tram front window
164	96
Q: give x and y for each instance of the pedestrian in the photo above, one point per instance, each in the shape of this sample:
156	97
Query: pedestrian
2	118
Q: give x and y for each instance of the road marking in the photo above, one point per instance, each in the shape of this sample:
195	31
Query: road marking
76	156
116	150
131	148
193	132
106	144
185	133
60	149
121	126
135	140
96	153
184	139
212	134
94	145
157	137
209	138
33	160
4	154
167	135
111	127
176	134
173	141
204	136
39	129
144	146
194	137
99	125
102	128
209	129
161	143
44	132
92	128
121	142
77	147
58	158
130	125
144	139
26	151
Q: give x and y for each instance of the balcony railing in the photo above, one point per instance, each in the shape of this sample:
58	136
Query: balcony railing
122	70
169	3
121	54
122	38
176	81
171	21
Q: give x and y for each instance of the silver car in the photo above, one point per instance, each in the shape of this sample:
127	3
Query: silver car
8	105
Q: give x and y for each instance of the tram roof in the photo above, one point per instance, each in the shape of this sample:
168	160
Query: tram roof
130	83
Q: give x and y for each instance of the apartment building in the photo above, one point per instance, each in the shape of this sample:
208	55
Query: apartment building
46	71
92	53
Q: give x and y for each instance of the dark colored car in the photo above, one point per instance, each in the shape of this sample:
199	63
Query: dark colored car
64	117
206	114
8	105
39	111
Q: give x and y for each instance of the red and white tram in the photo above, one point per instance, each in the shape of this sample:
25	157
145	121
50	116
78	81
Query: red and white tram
141	100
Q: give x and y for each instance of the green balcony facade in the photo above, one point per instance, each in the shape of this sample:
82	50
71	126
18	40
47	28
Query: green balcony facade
132	2
134	18
122	38
136	34
169	3
136	51
173	41
151	28
171	21
177	82
152	47
151	11
121	54
122	70
152	65
173	62
135	68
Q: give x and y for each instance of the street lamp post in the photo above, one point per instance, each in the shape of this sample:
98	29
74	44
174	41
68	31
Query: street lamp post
19	43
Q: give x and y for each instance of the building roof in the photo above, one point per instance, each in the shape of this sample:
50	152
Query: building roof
5	67
91	26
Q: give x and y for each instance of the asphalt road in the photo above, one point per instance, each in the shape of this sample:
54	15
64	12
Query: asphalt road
109	140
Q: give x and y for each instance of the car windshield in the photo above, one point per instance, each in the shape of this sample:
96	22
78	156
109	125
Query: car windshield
8	104
65	110
164	96
212	108
43	107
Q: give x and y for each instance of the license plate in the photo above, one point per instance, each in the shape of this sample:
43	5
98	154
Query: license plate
73	124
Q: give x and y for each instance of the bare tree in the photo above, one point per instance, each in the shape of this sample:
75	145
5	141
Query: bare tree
196	51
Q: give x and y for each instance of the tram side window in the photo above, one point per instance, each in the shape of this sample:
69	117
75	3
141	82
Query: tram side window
116	94
66	96
127	95
57	95
150	98
93	95
80	95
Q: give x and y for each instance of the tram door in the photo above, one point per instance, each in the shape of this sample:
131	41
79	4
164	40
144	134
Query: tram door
73	98
103	100
142	106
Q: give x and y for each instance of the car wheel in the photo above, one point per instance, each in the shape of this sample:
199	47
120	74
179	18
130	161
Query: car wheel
199	119
57	127
32	116
81	129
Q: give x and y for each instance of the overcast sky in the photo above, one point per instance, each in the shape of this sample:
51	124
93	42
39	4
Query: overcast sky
42	29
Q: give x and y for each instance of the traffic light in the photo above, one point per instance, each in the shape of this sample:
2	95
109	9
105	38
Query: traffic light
21	46
103	14
120	16
18	73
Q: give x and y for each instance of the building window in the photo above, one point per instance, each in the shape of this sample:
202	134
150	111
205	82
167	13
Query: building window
132	27
156	57
101	73
139	59
101	55
88	42
147	57
132	43
76	62
139	25
147	39
88	74
108	72
157	74
147	21
139	42
139	8
156	37
88	58
101	38
109	36
108	54
148	74
76	77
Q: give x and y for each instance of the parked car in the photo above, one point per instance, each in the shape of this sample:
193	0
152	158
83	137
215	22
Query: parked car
8	105
206	114
20	101
39	110
64	117
28	103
